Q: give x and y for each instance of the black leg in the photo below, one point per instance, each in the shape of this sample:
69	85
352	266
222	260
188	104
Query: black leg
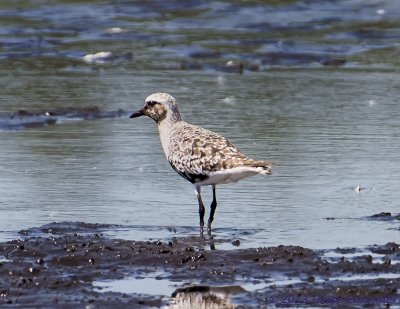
213	207
202	210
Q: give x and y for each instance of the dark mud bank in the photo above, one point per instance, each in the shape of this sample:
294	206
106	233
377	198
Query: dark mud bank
60	263
23	119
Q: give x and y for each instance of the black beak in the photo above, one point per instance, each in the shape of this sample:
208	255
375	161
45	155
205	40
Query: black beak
137	114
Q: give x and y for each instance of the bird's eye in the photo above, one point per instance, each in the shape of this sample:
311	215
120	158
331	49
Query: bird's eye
151	103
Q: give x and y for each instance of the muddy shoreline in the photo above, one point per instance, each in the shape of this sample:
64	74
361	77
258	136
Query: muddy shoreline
60	263
24	119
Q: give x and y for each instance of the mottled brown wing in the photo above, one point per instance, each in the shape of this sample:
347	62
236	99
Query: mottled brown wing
195	152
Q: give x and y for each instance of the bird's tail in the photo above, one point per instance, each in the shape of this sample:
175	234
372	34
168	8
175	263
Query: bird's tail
263	167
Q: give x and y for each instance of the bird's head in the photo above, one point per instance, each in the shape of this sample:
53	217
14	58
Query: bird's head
159	107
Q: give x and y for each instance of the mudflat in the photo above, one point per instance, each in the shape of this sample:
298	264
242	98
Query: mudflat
62	263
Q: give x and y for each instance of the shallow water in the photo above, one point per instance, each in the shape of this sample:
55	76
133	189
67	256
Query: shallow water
160	286
150	286
178	294
328	126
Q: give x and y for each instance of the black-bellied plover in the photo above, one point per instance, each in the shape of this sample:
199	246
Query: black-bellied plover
198	155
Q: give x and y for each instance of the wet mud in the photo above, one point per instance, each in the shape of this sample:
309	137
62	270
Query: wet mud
385	216
60	263
24	119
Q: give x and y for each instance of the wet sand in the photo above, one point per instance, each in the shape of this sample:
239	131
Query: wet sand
60	263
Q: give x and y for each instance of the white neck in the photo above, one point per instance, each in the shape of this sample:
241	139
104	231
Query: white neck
164	129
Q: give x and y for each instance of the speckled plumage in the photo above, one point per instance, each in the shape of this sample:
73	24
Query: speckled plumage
197	154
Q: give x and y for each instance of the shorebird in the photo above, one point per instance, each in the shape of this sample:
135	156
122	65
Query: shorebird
197	154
